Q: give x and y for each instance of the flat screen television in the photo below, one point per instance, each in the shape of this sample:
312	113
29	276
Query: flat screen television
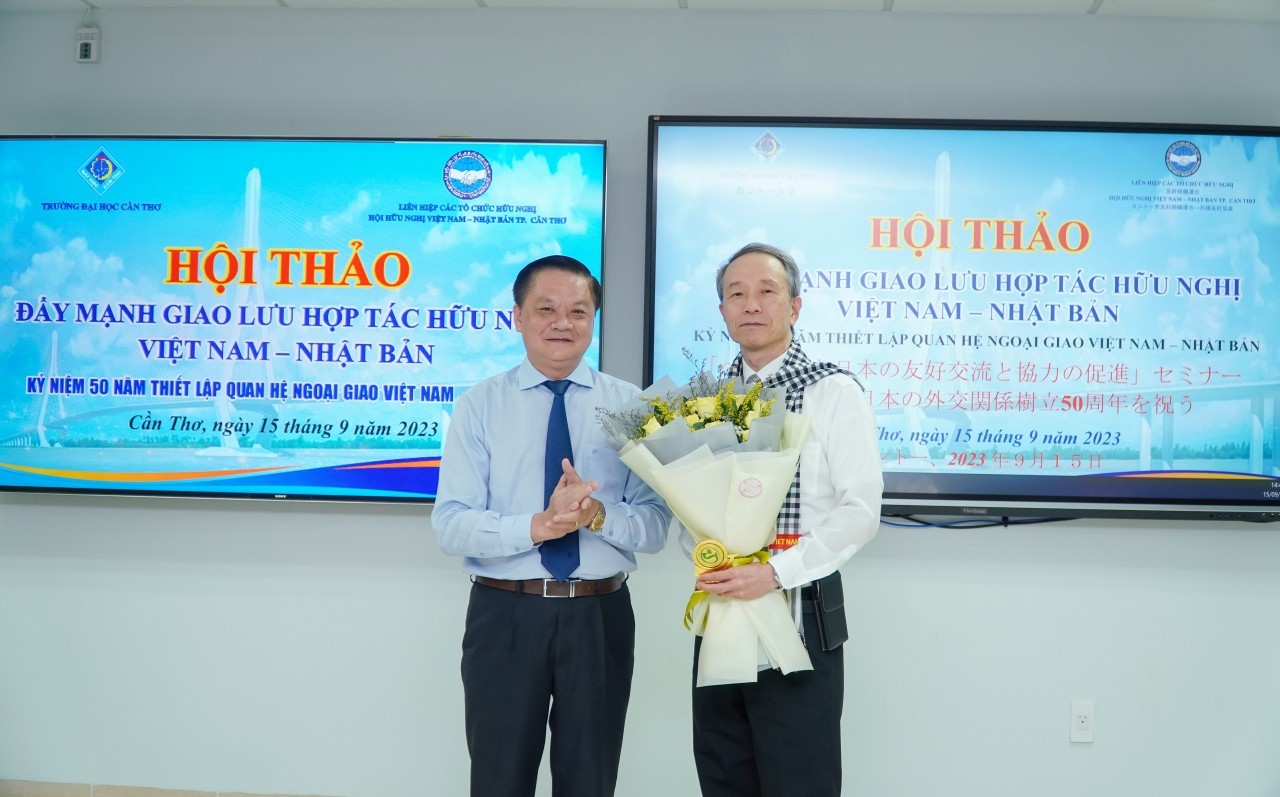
1050	319
265	317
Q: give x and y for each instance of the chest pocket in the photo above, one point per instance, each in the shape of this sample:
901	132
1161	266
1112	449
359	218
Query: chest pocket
601	463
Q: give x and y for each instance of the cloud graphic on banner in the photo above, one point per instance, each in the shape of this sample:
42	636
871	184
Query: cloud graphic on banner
1260	173
355	212
13	196
557	192
69	265
695	300
535	251
1056	190
442	237
476	273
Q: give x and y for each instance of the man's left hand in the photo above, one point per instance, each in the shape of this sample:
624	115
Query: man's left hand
571	503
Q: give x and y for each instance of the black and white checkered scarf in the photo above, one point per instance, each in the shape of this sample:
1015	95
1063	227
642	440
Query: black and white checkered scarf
797	373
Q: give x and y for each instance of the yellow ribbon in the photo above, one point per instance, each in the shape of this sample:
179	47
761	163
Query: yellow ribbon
700	595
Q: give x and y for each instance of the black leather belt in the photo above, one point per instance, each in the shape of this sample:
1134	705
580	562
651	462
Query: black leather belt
550	588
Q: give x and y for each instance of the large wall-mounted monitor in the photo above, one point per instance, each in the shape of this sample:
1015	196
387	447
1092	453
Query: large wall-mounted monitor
1050	319
264	317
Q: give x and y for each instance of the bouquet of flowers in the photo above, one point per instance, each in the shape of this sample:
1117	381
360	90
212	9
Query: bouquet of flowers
723	461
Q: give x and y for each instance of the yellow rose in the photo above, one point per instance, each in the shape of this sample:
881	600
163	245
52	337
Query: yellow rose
651	425
752	415
705	406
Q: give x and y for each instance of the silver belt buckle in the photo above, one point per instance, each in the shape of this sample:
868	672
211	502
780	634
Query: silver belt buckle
572	588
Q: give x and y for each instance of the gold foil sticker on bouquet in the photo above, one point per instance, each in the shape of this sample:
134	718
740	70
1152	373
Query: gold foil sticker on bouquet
710	556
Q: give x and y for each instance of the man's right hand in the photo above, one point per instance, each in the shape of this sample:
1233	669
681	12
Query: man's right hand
570	507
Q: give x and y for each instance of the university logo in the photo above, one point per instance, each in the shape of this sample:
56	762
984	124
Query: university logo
1182	158
767	147
101	171
467	175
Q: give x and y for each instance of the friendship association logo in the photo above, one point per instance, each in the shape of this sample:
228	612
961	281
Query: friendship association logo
1182	158
101	171
767	147
467	174
710	556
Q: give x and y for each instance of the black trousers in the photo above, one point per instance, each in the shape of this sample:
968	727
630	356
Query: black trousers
530	662
777	737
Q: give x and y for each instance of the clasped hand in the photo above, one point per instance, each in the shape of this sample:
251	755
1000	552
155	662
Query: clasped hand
570	507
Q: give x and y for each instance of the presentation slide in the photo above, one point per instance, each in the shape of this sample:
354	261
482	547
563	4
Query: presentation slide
1059	317
266	317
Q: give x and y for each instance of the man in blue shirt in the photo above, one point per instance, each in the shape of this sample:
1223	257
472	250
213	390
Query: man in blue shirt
543	647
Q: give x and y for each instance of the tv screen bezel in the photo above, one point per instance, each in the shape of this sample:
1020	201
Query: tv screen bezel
462	143
975	507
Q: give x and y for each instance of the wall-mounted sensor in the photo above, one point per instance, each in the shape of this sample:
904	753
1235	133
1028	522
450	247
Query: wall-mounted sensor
88	45
88	40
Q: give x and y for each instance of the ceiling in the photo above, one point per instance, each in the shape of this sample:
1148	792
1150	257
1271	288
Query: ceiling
1254	10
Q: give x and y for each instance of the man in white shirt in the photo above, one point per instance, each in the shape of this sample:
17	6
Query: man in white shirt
780	736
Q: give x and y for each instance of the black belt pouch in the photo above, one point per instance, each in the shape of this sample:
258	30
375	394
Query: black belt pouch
828	599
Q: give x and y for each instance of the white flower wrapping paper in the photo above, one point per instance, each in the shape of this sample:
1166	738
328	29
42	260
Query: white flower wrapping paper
730	492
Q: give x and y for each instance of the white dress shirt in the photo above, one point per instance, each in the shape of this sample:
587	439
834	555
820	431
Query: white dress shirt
491	477
840	480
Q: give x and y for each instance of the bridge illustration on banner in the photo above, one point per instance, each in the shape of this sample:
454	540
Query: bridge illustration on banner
52	426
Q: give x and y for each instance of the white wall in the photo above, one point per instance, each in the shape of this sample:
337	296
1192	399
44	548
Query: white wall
227	645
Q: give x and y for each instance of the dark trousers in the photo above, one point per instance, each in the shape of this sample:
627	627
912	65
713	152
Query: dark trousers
777	737
529	662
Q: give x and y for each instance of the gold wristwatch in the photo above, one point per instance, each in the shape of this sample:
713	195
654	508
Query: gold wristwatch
597	522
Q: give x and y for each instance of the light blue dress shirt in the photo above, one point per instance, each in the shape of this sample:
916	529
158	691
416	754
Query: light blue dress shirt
491	477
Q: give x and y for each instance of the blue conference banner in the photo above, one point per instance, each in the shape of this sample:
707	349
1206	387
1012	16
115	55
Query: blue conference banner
1018	301
266	317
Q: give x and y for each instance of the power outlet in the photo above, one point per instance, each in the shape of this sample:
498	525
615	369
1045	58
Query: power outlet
1082	721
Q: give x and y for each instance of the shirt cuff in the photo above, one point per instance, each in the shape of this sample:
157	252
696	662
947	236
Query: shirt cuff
515	532
790	574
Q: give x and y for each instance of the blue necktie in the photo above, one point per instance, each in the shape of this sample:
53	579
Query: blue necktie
559	556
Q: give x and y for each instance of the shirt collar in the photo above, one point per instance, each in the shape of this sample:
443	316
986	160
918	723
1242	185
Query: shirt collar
770	368
530	377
